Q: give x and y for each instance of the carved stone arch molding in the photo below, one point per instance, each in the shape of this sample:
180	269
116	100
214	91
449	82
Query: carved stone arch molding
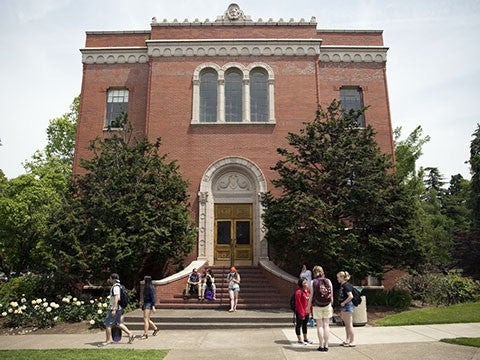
229	180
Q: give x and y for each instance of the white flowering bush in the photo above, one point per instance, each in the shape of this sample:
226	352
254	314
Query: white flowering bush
41	313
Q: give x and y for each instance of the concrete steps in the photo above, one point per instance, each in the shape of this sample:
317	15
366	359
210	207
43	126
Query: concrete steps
256	292
181	319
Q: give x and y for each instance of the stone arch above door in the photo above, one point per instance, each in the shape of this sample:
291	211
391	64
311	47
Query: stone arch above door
231	180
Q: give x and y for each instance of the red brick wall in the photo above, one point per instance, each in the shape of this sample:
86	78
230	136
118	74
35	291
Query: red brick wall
365	38
285	287
371	78
97	79
234	32
116	39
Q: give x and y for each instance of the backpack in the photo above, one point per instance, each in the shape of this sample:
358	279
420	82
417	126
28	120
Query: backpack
123	301
357	300
292	302
322	292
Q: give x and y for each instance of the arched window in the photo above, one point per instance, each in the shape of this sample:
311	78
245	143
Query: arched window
233	95
258	95
208	96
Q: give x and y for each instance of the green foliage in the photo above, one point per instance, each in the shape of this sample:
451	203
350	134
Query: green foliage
341	206
129	211
459	313
475	182
28	201
475	342
439	289
394	298
408	151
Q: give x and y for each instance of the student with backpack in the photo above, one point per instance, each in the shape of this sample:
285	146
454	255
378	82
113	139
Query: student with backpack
301	299
321	305
347	306
115	310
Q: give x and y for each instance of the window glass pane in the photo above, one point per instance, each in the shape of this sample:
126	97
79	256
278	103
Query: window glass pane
258	95
117	103
208	96
233	96
242	232
223	232
352	98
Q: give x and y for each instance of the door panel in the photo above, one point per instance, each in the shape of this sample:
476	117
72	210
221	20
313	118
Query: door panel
233	233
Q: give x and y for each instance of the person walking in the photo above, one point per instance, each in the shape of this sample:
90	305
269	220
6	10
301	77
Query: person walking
321	300
114	312
302	298
345	297
148	307
233	278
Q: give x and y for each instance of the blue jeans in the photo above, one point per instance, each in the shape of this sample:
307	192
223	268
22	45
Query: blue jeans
349	307
111	320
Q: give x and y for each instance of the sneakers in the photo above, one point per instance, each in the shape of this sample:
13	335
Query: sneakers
307	342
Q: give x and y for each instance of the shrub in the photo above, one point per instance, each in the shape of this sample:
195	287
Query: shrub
30	286
395	298
439	289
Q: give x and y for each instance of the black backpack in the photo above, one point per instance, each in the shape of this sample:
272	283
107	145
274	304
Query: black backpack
123	301
357	299
292	302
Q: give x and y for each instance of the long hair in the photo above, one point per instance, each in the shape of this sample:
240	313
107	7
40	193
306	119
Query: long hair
148	285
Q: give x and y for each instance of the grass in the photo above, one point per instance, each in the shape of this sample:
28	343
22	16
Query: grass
81	354
459	313
463	341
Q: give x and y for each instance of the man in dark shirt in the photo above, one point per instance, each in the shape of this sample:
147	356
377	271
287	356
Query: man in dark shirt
193	280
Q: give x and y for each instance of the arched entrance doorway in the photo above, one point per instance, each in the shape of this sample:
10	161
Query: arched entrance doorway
230	213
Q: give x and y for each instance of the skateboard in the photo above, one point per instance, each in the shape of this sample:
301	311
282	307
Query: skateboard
116	334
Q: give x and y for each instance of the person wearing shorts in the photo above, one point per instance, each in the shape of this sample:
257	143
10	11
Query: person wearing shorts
115	312
321	312
345	298
233	278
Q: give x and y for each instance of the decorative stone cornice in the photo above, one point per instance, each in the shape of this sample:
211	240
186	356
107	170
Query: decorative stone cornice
353	53
119	55
233	47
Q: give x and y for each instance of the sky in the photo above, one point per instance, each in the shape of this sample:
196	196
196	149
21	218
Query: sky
433	62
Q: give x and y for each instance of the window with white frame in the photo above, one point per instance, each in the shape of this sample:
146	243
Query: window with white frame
233	96
351	98
117	104
208	96
233	93
258	95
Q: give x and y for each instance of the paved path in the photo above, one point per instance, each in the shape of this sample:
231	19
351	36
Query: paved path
399	342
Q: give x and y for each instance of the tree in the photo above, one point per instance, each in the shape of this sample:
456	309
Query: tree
128	212
341	204
28	201
60	145
475	182
408	151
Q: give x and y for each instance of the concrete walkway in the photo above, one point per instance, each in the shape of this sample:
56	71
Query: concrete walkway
399	342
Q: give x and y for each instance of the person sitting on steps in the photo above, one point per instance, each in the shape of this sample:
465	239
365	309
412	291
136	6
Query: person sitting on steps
193	282
208	283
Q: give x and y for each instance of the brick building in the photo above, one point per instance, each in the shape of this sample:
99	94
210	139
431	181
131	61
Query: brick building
223	95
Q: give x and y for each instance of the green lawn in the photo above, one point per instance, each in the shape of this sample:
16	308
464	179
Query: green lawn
79	354
463	341
459	313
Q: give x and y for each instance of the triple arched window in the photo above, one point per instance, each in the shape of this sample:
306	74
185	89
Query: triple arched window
233	94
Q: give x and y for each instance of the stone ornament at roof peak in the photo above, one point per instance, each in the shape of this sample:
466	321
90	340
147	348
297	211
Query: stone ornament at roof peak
234	13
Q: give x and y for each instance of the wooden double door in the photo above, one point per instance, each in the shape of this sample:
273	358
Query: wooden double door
233	234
